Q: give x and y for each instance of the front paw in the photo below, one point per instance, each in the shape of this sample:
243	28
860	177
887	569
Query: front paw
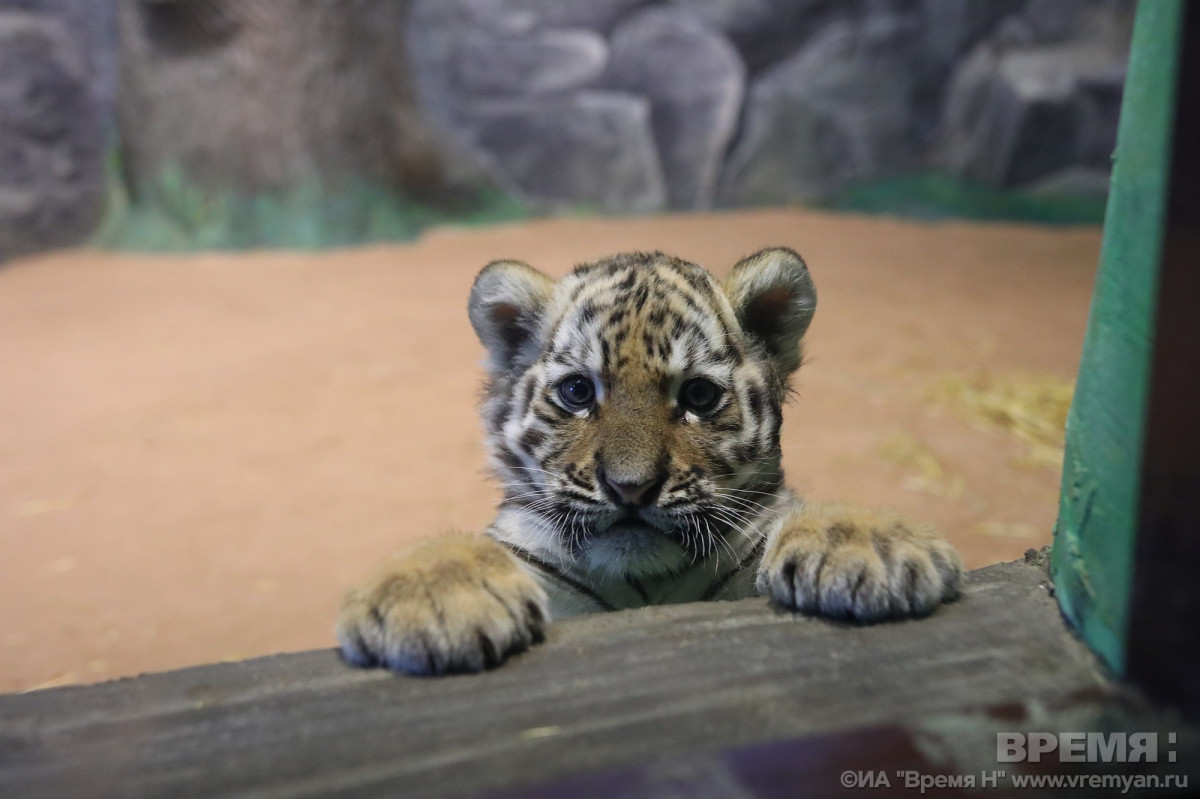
847	562
450	604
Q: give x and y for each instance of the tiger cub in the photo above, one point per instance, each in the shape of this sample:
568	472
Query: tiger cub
632	415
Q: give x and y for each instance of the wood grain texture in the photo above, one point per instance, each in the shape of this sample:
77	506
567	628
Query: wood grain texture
1094	535
605	691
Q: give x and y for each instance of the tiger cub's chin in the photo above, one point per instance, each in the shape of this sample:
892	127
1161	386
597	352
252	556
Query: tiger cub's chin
637	550
638	388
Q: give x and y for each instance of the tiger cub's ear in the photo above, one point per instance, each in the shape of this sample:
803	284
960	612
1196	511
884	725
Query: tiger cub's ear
507	303
774	299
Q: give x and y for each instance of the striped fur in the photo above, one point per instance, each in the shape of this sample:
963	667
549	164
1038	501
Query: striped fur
638	325
633	414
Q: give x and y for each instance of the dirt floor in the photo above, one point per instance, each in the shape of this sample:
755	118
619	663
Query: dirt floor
198	454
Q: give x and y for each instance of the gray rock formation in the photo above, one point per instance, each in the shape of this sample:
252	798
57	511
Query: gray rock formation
597	15
528	63
1059	20
514	85
92	27
52	135
1018	111
840	109
840	91
694	80
952	27
587	149
468	50
768	31
621	105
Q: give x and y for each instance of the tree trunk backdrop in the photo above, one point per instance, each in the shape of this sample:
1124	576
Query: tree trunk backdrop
268	95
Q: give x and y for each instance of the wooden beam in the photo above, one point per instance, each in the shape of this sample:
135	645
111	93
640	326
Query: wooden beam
605	691
1094	537
1164	625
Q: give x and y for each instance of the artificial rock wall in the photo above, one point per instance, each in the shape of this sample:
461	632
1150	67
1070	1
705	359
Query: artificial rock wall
643	105
57	86
625	106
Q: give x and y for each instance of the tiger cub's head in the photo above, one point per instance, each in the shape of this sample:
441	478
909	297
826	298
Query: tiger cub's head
633	407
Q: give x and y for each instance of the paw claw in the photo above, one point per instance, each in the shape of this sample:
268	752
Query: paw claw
862	565
450	605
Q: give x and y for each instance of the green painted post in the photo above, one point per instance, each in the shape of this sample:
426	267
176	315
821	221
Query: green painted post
1092	560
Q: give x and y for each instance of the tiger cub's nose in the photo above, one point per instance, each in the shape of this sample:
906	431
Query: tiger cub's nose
637	494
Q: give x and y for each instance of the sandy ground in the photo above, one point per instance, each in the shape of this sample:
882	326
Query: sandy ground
198	454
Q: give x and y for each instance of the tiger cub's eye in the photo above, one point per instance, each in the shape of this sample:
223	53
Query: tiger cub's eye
699	395
576	392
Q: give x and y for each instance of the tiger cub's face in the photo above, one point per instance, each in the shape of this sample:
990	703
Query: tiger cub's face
633	407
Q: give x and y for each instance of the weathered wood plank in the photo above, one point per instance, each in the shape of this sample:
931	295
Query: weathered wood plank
603	691
946	756
1095	532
